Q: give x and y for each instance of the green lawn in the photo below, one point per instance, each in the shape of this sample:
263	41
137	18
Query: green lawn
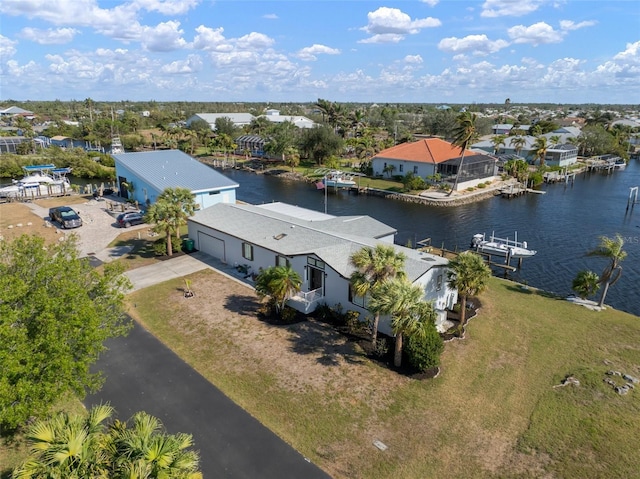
492	412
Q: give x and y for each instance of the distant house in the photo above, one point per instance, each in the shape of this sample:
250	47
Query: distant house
274	116
432	156
317	246
505	128
61	141
238	119
250	144
151	172
15	111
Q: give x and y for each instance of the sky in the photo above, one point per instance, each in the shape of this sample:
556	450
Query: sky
411	51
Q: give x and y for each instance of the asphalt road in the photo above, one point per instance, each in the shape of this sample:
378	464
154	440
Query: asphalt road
144	375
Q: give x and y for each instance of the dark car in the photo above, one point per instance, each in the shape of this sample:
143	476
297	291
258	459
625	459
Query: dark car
124	220
65	216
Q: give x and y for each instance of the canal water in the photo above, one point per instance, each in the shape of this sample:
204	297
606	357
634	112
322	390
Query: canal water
562	225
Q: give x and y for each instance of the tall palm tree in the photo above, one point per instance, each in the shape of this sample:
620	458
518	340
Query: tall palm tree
611	249
372	267
540	146
404	302
469	274
555	140
183	203
279	283
162	215
464	135
518	143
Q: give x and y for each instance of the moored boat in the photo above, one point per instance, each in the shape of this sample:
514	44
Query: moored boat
501	246
339	179
39	180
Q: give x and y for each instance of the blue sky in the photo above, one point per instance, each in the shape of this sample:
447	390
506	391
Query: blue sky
426	51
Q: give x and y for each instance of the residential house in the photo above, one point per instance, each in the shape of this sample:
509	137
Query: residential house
238	119
143	176
16	111
505	128
431	156
250	144
274	116
316	245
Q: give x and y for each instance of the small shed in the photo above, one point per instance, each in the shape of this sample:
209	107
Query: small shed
143	176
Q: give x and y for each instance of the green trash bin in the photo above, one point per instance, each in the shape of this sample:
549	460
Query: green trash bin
188	245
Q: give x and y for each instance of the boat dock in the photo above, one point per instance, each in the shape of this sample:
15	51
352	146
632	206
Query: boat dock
517	189
604	163
559	177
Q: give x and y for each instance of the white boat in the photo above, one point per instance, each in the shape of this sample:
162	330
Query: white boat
620	163
339	179
39	180
501	246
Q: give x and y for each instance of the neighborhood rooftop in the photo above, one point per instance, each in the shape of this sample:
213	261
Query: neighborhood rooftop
173	168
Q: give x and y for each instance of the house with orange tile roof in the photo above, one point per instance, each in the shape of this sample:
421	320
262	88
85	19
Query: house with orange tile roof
432	156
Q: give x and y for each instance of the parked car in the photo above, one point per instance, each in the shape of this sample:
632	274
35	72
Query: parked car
124	220
65	216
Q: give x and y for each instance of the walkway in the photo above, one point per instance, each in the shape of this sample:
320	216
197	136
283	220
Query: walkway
142	374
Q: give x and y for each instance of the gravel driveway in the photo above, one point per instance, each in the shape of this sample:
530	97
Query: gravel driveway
98	228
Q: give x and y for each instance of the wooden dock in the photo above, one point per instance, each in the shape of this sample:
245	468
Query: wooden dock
518	189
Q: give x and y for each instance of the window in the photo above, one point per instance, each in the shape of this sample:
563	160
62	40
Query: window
353	298
316	263
282	261
439	283
211	193
401	167
247	251
415	170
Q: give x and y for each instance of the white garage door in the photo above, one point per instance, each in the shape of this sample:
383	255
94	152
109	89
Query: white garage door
211	245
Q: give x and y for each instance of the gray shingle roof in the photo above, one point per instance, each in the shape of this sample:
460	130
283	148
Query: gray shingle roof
173	168
333	240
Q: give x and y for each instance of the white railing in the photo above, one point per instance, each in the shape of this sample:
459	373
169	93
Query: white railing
308	297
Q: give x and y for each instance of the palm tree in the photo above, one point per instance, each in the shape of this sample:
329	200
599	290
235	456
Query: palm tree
145	448
611	249
540	146
518	143
67	446
498	140
464	135
469	274
183	203
586	283
163	215
279	283
555	140
402	300
373	266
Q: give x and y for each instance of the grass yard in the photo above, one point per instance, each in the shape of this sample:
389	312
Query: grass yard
492	412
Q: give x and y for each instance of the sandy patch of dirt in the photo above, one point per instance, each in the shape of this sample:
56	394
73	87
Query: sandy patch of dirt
17	219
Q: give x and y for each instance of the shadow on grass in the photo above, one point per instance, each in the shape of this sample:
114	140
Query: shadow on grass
321	340
523	289
242	304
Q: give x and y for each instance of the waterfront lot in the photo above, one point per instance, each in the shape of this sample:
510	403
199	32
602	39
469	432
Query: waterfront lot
493	411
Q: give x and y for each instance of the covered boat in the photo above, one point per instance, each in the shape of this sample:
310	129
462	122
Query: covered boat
501	246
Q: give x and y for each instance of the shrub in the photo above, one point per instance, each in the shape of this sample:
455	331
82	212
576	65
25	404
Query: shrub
413	182
482	185
423	350
381	348
160	246
288	314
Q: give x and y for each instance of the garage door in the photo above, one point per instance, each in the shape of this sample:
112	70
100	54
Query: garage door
211	245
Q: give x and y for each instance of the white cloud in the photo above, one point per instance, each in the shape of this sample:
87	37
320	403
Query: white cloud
390	25
476	44
164	37
58	36
509	8
413	59
192	64
536	34
254	41
210	39
431	3
270	16
166	7
7	47
571	25
310	53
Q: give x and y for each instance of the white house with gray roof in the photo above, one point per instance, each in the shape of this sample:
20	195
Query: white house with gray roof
317	246
151	172
238	119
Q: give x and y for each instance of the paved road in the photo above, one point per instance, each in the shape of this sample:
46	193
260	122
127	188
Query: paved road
144	375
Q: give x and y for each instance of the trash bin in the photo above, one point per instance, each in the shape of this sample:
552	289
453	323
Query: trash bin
188	245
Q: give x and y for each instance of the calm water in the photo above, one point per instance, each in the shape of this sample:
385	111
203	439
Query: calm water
562	224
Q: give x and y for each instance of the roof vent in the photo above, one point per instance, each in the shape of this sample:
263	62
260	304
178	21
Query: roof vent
279	236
